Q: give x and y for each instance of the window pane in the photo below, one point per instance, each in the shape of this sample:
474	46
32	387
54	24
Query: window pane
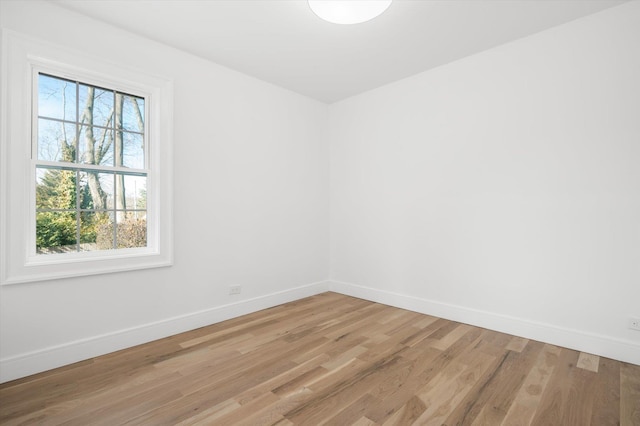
102	103
133	150
106	183
56	140
55	189
96	146
56	232
96	231
96	190
102	224
84	192
132	231
56	98
135	189
133	113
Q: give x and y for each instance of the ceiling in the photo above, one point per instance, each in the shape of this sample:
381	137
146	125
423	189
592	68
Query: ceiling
283	42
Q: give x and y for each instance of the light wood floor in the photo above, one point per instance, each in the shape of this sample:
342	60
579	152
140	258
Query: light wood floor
332	359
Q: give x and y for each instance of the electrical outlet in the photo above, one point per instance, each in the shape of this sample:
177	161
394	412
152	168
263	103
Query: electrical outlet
634	323
235	289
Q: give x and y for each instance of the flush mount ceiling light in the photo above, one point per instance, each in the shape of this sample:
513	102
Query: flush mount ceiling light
348	11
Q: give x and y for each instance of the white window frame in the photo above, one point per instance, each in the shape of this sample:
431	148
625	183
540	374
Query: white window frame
22	58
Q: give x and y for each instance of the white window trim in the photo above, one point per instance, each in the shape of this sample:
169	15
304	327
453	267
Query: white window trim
21	57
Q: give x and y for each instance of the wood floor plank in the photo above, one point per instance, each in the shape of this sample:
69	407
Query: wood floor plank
363	421
408	414
629	394
527	399
507	382
448	389
554	404
606	391
336	360
327	400
494	343
517	344
414	377
353	412
255	412
451	337
488	401
211	415
274	413
588	362
421	377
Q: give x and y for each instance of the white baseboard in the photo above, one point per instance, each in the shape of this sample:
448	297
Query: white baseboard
622	350
30	363
56	356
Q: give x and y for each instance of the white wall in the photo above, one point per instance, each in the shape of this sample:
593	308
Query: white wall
251	208
502	189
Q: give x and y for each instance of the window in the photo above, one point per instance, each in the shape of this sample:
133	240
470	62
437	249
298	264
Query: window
86	164
88	156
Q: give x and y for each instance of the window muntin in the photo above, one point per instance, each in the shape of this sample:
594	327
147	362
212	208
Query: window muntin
90	167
